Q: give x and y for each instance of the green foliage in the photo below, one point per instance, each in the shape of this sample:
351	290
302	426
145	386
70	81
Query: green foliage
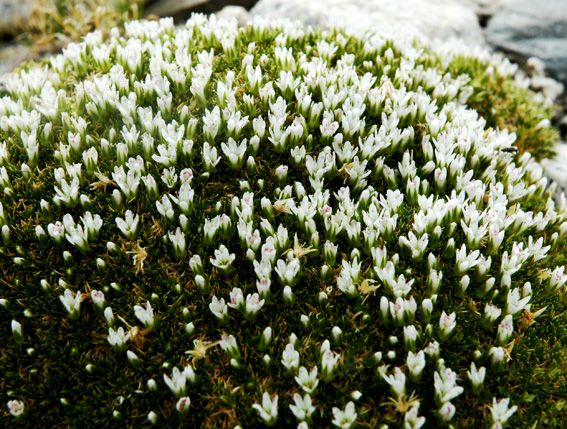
506	105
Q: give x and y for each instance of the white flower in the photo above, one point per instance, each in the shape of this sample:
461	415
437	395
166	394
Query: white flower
307	380
218	308
211	123
287	271
447	323
491	313
71	302
223	259
500	412
178	241
558	278
129	225
178	380
145	315
68	194
127	182
465	260
210	156
497	356
253	304
344	419
329	361
302	408
16	407
268	411
397	382
234	152
117	338
229	345
416	364
476	376
445	383
290	358
236	298
56	231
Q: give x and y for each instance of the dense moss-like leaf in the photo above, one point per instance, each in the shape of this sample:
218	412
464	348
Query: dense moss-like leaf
169	194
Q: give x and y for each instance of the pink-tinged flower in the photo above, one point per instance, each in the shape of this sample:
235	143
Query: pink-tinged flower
446	412
218	308
236	298
447	323
253	304
71	302
16	407
183	404
97	298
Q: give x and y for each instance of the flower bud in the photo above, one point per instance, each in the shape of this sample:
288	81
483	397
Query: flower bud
288	295
265	339
17	331
152	417
134	360
426	309
476	377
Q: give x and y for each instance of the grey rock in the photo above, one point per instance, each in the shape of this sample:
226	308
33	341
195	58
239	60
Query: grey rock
13	14
556	168
238	12
432	19
529	28
174	7
12	55
485	7
181	9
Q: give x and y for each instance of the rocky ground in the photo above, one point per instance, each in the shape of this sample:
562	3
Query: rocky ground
531	33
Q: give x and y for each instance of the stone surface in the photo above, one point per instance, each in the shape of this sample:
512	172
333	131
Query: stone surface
434	19
13	14
530	28
12	55
173	7
181	9
556	169
241	15
486	7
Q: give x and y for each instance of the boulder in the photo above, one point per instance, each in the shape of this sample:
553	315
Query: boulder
13	14
13	54
556	168
528	28
182	9
433	19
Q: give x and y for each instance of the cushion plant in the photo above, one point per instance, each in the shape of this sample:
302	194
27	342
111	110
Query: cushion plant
216	226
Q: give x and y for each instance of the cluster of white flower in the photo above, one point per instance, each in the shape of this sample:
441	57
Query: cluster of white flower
399	201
